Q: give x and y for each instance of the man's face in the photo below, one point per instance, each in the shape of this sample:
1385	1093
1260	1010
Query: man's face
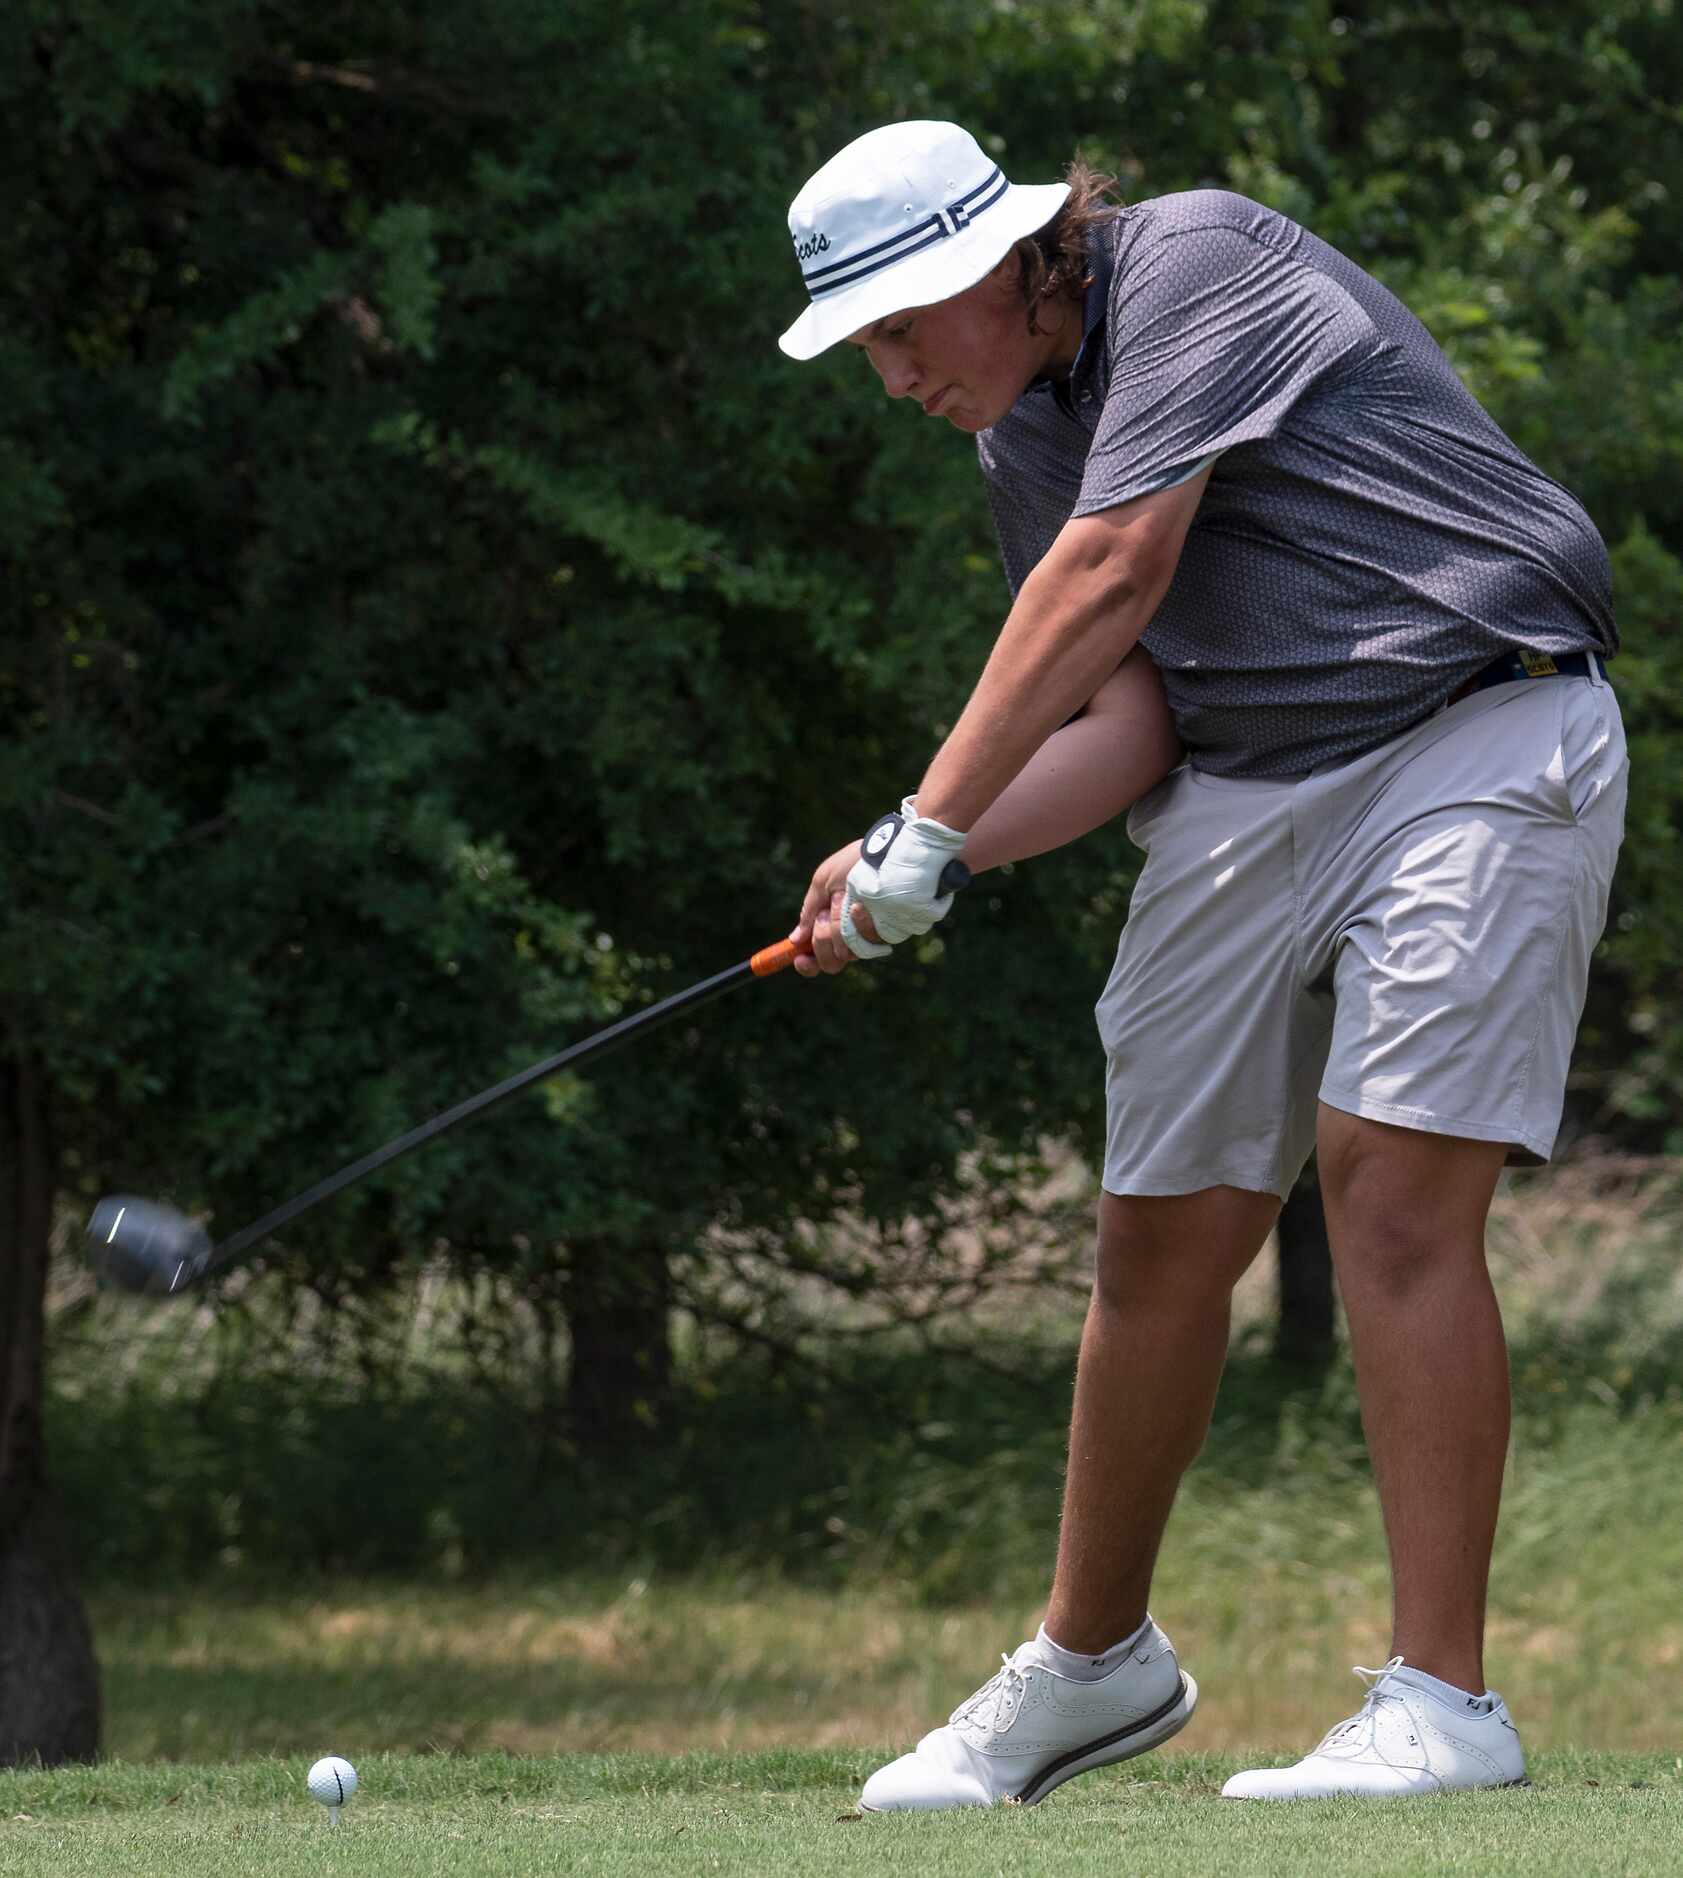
970	358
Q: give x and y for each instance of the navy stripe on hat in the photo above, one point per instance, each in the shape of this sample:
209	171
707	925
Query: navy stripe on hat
938	227
959	210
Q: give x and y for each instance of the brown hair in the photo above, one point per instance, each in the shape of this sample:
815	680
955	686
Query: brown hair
1054	259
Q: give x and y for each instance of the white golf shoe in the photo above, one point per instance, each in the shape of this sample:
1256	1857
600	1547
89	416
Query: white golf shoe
1404	1739
1029	1729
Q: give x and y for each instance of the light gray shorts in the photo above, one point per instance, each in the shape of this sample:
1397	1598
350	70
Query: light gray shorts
1405	936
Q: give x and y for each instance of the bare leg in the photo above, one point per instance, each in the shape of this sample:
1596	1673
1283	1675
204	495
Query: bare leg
1405	1214
1151	1356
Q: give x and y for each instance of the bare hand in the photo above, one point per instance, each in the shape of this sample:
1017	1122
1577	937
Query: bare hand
820	923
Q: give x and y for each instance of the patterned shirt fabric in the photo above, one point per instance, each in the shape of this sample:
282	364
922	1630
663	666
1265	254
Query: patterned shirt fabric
1368	539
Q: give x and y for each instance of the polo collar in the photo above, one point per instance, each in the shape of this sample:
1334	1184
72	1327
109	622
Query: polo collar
1094	302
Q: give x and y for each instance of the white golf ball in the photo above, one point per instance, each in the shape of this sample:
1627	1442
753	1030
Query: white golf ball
332	1780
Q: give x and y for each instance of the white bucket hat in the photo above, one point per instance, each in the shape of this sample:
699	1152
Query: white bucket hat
904	216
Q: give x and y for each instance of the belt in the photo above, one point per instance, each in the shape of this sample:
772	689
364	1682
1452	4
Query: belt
1512	665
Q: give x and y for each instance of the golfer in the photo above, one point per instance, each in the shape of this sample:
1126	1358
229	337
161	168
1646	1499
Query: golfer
1282	586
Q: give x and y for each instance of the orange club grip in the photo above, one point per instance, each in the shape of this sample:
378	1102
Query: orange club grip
777	958
955	877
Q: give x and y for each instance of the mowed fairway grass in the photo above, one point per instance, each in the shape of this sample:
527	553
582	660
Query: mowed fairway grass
780	1812
720	1715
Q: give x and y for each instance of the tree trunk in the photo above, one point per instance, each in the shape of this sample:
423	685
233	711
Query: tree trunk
49	1679
620	1379
1306	1335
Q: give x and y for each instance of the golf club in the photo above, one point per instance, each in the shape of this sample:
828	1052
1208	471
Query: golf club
145	1247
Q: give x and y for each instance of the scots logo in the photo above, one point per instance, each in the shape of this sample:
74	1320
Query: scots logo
812	244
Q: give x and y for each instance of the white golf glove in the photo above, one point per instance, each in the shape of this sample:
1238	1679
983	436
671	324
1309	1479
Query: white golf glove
897	880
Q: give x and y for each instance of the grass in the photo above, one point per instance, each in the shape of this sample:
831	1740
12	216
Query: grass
784	1812
1270	1627
691	1665
842	1582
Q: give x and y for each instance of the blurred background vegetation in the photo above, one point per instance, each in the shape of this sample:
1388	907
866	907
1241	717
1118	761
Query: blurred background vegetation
438	620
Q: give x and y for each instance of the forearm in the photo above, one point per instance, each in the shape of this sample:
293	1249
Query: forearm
1076	618
1123	742
1084	773
1036	679
1077	780
1065	648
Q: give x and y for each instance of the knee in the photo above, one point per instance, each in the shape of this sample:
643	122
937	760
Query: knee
1123	1272
1378	1254
1403	1207
1383	1242
1135	1262
1179	1253
1389	1242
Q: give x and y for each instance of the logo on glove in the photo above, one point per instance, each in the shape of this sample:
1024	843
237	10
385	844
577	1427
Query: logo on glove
879	838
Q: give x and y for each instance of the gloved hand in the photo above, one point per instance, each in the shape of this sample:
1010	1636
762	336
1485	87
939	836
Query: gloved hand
897	879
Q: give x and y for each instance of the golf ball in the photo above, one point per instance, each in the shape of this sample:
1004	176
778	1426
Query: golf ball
332	1780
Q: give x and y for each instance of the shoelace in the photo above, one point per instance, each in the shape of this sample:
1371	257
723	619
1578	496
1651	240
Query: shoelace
999	1695
1362	1720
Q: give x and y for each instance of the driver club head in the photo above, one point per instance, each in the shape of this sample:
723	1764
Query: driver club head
144	1247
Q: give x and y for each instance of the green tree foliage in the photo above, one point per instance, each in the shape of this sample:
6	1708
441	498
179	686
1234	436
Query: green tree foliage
438	624
438	618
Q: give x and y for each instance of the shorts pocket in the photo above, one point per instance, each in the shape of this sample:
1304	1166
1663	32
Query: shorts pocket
1590	754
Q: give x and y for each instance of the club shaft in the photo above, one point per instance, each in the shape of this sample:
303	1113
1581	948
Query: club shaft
768	961
605	1040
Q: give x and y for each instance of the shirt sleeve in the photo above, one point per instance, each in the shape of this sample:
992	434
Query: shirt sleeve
1212	337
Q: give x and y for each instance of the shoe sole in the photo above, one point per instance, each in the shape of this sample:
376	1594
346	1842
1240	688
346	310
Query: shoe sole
1138	1737
1423	1793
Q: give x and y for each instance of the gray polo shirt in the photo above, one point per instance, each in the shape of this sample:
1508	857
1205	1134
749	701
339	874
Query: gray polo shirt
1368	538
